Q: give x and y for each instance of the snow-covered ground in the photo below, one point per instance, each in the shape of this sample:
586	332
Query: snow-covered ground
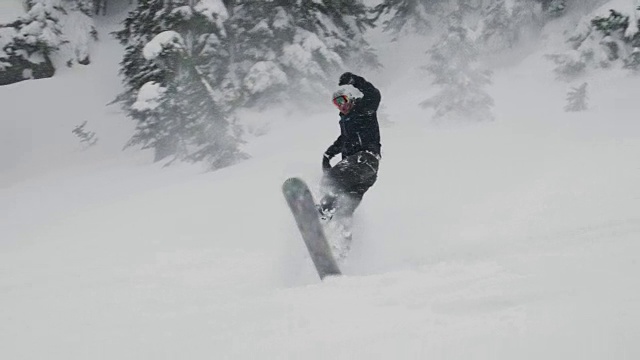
516	239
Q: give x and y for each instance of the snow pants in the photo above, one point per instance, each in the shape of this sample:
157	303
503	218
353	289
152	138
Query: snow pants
345	183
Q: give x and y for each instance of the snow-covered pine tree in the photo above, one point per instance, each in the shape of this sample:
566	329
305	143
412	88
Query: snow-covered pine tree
86	6
602	41
505	22
500	24
577	99
341	25
140	74
281	50
454	66
96	7
554	8
50	34
79	29
498	27
250	53
411	15
168	90
621	33
27	43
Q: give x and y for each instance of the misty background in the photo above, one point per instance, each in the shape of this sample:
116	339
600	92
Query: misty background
190	69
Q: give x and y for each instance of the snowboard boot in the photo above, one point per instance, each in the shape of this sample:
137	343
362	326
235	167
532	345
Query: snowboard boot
327	208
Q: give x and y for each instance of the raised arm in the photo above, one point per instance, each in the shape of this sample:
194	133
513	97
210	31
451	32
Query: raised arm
371	98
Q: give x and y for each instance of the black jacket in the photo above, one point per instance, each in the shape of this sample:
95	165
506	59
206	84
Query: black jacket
359	129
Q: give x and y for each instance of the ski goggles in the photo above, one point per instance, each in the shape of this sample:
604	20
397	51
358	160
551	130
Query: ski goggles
340	100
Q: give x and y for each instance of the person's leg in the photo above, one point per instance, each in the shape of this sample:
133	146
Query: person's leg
352	178
329	189
345	184
335	183
362	170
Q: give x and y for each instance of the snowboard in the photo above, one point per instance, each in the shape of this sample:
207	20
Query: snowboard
304	211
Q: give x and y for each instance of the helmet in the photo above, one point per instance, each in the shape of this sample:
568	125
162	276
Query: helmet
345	97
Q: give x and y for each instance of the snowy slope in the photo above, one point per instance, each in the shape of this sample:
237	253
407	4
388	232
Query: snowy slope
516	239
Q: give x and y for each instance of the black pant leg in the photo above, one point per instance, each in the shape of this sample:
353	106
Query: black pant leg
346	183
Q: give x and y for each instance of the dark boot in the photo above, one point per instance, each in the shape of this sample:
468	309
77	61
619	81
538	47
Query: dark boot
327	206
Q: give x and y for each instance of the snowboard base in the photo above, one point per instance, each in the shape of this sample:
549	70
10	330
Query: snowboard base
304	211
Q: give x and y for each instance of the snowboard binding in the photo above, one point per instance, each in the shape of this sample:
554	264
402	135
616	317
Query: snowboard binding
327	207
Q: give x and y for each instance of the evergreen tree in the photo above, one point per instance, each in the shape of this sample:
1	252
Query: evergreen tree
27	43
412	15
500	23
232	54
341	25
50	33
614	23
168	44
570	65
577	99
503	25
454	67
86	6
603	42
278	50
554	8
497	26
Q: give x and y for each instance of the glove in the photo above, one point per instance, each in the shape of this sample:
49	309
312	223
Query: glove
346	79
326	162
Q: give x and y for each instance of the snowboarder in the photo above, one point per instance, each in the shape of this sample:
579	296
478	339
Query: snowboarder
345	183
